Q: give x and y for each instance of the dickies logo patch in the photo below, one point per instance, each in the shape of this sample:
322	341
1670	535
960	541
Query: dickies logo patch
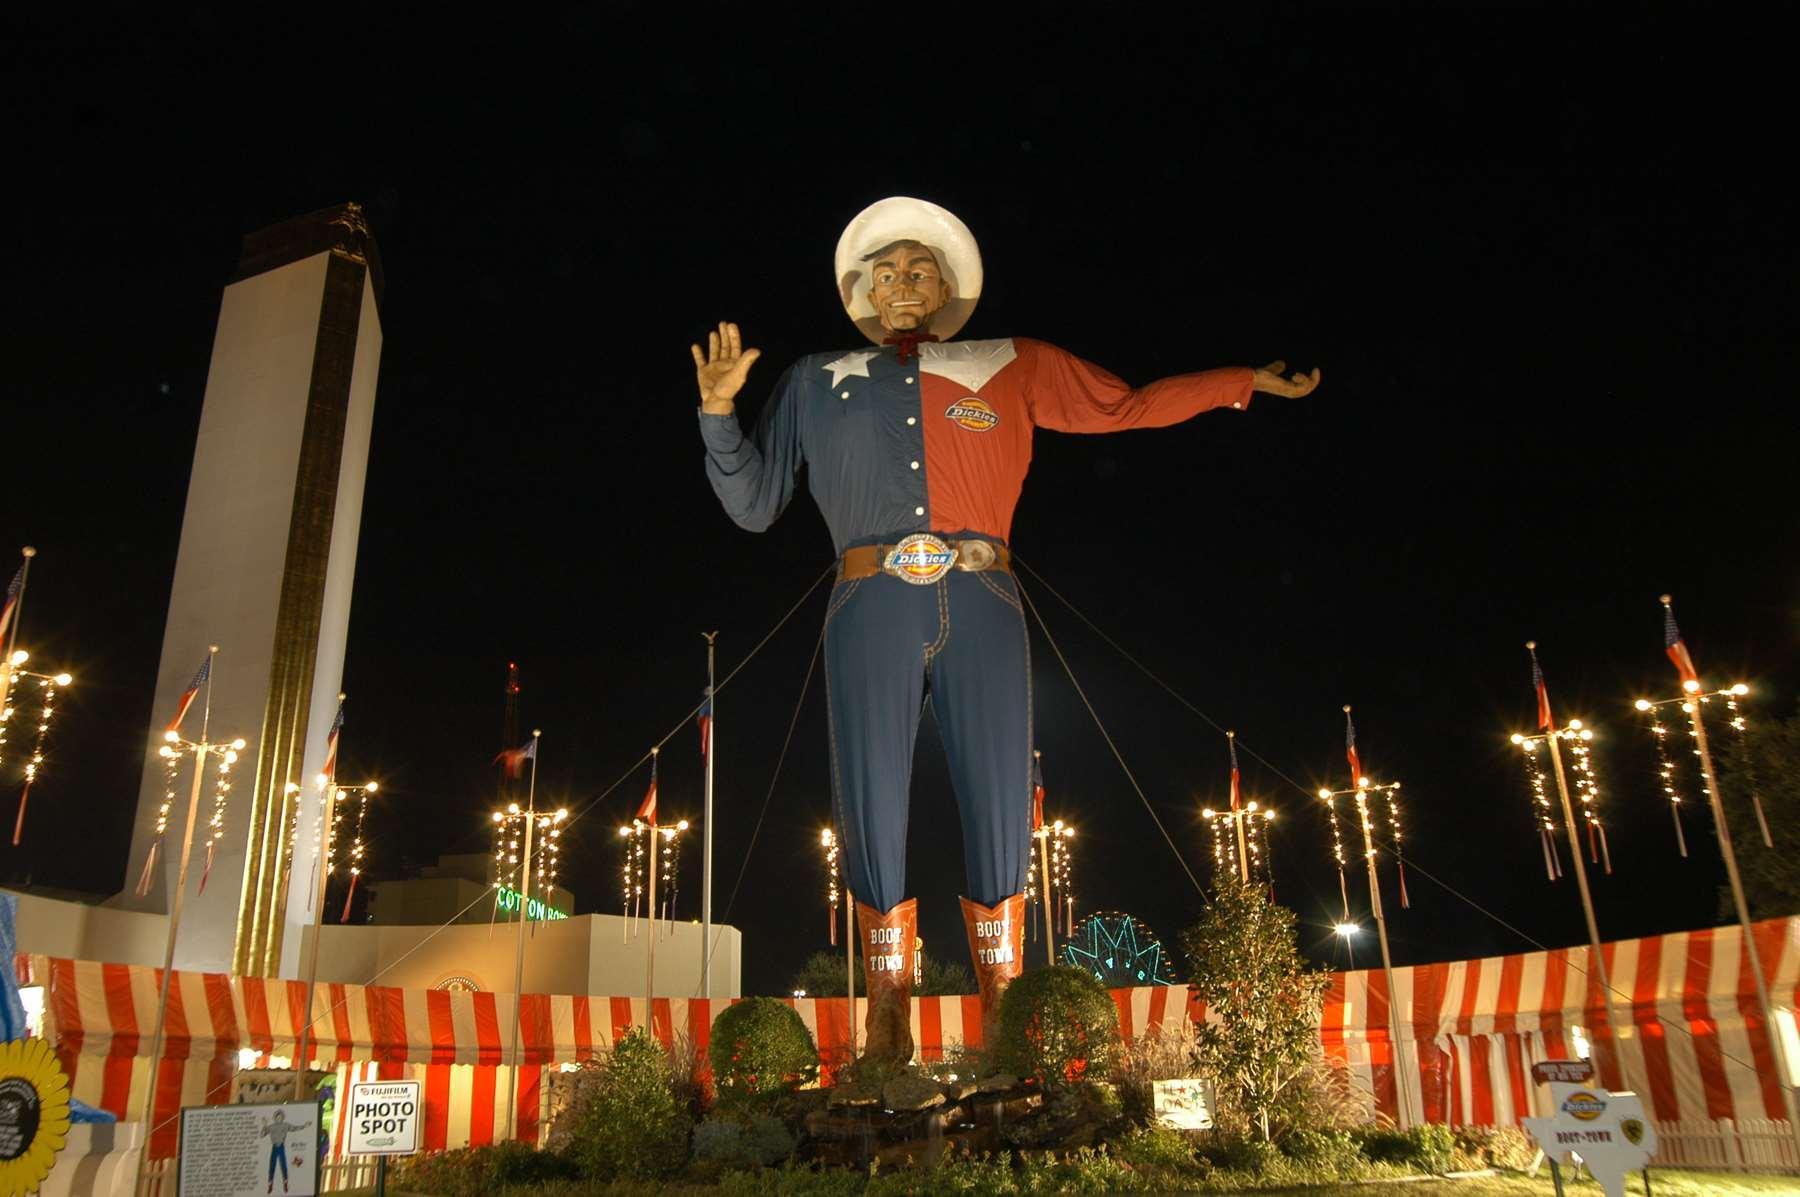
920	559
973	414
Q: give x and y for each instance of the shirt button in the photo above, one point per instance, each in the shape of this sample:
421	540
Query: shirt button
911	420
918	511
915	465
845	395
909	381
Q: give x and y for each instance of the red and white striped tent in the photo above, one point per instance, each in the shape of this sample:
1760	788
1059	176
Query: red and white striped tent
1692	1039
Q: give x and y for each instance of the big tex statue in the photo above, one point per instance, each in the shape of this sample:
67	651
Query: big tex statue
916	450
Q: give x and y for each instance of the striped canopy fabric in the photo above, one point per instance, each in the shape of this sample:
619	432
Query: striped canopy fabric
1691	1036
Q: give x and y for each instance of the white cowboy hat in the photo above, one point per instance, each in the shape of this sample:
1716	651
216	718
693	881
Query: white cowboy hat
901	218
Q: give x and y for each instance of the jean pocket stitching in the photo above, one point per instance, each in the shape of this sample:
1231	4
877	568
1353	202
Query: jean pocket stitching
998	590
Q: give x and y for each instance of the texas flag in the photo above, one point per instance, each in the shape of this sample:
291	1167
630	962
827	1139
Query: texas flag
1350	749
193	690
1678	652
1037	791
12	602
705	721
1236	791
513	759
647	808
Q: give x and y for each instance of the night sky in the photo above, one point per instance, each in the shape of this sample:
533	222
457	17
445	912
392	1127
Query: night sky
1547	269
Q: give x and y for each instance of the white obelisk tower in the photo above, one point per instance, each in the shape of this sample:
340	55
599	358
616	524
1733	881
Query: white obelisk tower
267	558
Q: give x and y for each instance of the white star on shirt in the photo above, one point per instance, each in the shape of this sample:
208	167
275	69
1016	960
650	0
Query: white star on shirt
851	365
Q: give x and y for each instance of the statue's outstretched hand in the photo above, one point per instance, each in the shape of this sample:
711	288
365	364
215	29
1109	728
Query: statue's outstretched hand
721	370
1269	380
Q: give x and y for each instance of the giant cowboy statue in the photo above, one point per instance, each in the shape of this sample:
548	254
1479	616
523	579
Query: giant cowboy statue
916	450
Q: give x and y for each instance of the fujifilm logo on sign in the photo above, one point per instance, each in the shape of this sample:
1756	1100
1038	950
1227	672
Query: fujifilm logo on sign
385	1117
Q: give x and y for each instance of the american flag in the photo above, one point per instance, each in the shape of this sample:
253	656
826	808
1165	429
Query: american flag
514	758
705	721
1356	771
647	808
1678	653
187	698
12	601
331	745
1543	694
1236	791
1037	791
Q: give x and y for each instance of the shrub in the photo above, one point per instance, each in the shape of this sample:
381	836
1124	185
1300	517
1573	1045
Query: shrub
1163	1053
1160	1150
1428	1148
792	1182
731	1143
479	1171
1057	1025
760	1049
1492	1147
1235	1153
632	1127
1325	1153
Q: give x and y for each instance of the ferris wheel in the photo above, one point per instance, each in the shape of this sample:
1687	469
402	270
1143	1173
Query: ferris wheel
1119	951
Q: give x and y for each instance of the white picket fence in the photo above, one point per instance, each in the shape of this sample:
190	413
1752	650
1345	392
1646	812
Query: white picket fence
1727	1145
357	1172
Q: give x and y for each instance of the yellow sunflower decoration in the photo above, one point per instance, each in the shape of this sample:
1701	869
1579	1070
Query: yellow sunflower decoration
34	1114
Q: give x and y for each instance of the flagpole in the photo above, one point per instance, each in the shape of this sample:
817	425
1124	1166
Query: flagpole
512	1089
327	812
12	633
706	823
1770	1027
168	971
1402	1089
650	939
850	969
1237	817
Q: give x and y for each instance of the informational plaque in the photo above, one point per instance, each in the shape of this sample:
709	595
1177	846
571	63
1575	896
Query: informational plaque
250	1150
1184	1104
384	1117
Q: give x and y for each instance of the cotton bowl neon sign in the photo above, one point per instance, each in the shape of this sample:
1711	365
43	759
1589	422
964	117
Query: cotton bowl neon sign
508	900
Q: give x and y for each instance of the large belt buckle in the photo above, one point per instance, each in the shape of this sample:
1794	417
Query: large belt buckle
920	559
974	555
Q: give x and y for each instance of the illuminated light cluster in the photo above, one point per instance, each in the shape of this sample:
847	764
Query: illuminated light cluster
1337	847
1056	843
635	841
1691	703
1543	814
50	687
509	836
1223	826
833	893
1665	770
1587	790
215	826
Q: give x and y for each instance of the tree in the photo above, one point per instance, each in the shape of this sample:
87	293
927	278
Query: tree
1245	965
1765	761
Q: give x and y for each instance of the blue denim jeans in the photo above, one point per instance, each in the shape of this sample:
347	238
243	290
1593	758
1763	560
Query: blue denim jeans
961	642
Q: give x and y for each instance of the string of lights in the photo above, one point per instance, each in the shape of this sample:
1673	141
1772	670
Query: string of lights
1542	813
833	894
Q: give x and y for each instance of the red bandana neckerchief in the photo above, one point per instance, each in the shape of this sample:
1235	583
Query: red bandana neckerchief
908	343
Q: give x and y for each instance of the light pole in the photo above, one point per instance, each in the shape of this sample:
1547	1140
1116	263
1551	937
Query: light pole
1692	700
174	746
332	790
1364	789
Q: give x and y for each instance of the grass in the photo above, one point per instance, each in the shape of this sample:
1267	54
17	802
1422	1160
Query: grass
1664	1183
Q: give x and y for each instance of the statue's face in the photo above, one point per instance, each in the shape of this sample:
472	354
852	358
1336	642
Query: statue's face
907	288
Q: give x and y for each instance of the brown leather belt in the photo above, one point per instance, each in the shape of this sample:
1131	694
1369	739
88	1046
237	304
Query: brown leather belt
972	556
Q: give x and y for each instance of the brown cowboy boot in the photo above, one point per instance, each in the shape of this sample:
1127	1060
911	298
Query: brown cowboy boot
997	944
888	959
